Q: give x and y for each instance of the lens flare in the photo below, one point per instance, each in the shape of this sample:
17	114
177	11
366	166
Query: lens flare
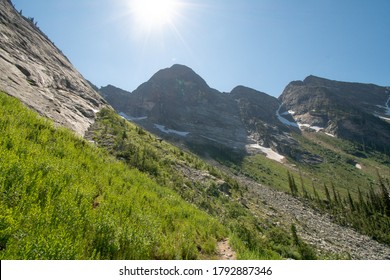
152	14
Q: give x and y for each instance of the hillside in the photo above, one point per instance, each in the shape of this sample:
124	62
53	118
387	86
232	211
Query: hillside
250	209
279	147
184	168
63	198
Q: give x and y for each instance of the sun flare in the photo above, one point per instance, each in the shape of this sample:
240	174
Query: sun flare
154	13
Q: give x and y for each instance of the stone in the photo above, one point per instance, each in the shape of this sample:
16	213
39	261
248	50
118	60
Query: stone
35	71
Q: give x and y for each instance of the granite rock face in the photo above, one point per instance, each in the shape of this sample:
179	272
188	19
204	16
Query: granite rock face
353	111
177	104
35	71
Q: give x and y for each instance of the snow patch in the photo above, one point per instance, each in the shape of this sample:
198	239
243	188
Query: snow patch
162	128
269	152
283	120
329	134
383	118
297	124
387	106
291	112
130	118
316	128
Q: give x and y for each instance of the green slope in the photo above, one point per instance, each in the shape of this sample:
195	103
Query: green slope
63	198
134	197
356	197
252	235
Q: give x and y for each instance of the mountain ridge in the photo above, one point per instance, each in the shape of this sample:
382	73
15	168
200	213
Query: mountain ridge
361	101
242	129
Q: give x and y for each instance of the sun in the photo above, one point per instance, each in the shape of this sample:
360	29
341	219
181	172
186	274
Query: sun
152	14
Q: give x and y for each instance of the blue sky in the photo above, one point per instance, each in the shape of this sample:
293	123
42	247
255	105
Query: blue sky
263	44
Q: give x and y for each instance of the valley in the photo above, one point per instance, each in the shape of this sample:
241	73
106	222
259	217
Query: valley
179	170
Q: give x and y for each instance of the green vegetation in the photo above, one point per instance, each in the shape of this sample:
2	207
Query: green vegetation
63	198
198	183
354	197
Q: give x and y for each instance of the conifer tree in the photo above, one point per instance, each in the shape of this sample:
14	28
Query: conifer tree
294	234
335	197
305	194
327	194
385	197
351	203
292	185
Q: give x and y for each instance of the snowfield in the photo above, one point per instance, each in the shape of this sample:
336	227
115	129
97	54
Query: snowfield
130	118
162	128
269	152
283	120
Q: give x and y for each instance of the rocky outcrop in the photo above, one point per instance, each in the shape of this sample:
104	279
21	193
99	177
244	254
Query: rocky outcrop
353	111
177	104
258	114
35	71
116	97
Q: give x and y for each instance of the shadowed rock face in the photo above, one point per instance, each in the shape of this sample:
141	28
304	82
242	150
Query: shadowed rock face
179	105
36	72
181	100
352	111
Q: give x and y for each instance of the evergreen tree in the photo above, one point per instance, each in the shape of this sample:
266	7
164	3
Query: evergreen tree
292	185
351	203
315	193
335	196
327	194
305	194
384	196
294	234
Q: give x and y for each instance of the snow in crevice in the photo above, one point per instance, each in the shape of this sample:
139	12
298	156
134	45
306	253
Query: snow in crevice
268	151
283	120
316	128
387	107
130	118
299	125
383	118
329	134
294	124
163	129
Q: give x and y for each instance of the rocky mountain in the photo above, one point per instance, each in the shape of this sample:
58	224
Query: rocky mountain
353	111
34	70
251	199
177	104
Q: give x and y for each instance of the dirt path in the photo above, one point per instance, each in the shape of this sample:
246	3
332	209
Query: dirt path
225	252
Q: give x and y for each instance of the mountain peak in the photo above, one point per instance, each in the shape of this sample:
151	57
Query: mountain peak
315	80
178	72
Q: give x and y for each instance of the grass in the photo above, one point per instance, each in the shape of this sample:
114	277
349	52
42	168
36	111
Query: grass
338	167
132	197
63	198
354	197
198	183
